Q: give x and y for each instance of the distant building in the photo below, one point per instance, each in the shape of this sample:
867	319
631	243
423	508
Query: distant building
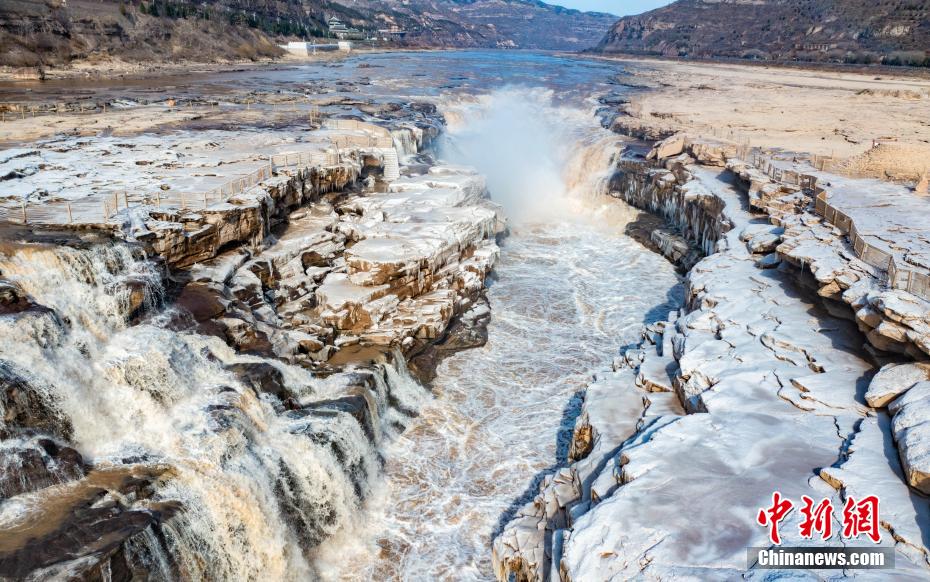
816	46
339	30
336	26
393	33
308	48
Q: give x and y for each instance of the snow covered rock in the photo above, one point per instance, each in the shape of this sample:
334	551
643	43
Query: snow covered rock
893	380
911	427
668	148
774	387
421	254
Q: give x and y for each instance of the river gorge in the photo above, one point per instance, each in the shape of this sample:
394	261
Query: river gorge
568	291
457	316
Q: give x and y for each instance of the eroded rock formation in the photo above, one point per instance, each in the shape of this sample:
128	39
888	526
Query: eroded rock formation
225	376
760	383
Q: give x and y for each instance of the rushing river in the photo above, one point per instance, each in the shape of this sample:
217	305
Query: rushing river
566	297
570	290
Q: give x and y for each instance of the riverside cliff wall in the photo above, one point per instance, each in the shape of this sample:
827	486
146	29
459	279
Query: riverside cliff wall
762	382
206	394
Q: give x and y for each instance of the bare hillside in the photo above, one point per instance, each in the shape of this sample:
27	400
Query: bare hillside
856	31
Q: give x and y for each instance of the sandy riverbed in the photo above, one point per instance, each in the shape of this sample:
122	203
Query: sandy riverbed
821	112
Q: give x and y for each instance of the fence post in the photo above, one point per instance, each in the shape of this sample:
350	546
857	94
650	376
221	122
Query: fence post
25	219
205	199
70	217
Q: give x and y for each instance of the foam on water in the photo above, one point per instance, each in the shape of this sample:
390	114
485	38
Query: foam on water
570	289
258	489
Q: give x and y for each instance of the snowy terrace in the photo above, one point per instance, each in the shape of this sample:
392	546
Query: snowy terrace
86	179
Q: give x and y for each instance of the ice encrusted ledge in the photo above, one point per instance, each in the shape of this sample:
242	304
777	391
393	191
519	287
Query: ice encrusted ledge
756	385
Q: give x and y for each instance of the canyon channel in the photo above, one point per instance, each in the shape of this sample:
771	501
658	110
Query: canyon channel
454	315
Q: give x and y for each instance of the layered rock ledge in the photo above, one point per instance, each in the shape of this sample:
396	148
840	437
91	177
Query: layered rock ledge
267	332
762	382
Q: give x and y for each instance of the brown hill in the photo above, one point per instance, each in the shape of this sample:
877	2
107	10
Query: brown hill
36	33
528	24
858	31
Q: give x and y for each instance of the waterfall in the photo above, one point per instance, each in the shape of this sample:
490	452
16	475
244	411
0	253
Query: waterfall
543	160
246	488
408	141
571	288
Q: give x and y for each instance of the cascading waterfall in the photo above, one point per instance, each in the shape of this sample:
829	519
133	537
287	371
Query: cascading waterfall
250	488
408	141
542	161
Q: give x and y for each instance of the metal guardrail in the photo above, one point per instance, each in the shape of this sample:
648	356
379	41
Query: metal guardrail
237	185
378	137
900	275
314	158
363	141
908	280
356	125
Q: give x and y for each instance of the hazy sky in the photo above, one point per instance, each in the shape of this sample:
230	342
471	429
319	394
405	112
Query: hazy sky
619	7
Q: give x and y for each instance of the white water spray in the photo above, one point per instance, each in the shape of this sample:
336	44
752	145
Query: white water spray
258	489
542	162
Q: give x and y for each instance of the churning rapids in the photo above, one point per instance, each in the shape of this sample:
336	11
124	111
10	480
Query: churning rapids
251	496
570	290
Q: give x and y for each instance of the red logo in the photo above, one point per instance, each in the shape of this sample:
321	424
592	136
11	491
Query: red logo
773	515
816	519
859	518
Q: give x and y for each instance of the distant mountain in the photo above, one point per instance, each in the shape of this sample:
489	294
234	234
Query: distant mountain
859	31
56	32
528	24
